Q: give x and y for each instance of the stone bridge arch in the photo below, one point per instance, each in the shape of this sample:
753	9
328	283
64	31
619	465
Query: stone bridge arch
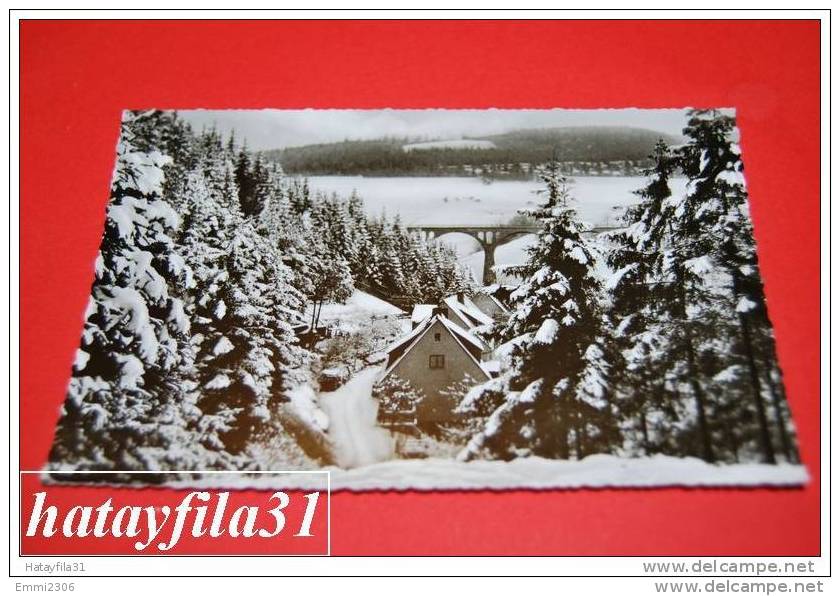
488	237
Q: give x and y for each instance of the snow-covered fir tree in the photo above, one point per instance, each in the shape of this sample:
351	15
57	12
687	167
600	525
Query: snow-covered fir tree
715	226
244	305
252	347
396	396
645	324
694	381
124	409
329	277
210	259
554	404
384	258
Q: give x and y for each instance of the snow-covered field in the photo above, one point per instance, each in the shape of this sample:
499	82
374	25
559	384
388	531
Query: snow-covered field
453	144
359	304
468	200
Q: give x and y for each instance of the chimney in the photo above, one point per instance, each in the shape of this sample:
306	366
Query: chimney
460	296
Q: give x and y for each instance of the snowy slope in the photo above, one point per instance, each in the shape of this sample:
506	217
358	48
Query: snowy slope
467	200
359	309
451	144
512	253
360	304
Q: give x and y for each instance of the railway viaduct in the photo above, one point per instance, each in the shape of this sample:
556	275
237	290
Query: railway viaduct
489	237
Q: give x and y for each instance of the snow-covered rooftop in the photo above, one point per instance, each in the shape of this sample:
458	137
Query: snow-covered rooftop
463	334
418	332
475	311
411	336
421	312
466	309
488	294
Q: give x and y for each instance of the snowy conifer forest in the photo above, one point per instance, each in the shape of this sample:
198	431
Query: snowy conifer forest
242	319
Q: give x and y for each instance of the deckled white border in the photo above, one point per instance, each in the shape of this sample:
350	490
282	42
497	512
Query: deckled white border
532	473
596	471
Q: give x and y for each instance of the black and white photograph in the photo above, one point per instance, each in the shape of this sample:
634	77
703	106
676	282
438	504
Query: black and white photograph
430	299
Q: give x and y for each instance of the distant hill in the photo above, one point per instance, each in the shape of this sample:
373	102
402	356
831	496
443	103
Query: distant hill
453	144
582	143
511	154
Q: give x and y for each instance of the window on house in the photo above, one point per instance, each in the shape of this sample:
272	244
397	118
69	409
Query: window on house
437	336
436	361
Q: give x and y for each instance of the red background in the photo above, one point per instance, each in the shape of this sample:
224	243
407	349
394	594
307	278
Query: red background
76	77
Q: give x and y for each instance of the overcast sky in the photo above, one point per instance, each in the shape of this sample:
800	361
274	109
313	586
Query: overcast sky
269	129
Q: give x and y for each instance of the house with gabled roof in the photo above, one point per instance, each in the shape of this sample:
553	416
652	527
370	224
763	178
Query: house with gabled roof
463	311
436	354
490	304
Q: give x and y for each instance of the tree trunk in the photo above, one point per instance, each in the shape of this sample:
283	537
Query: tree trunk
732	439
690	357
317	313
699	403
312	318
643	424
562	444
769	456
578	437
781	426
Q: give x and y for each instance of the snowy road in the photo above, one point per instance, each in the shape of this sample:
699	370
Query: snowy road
352	411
